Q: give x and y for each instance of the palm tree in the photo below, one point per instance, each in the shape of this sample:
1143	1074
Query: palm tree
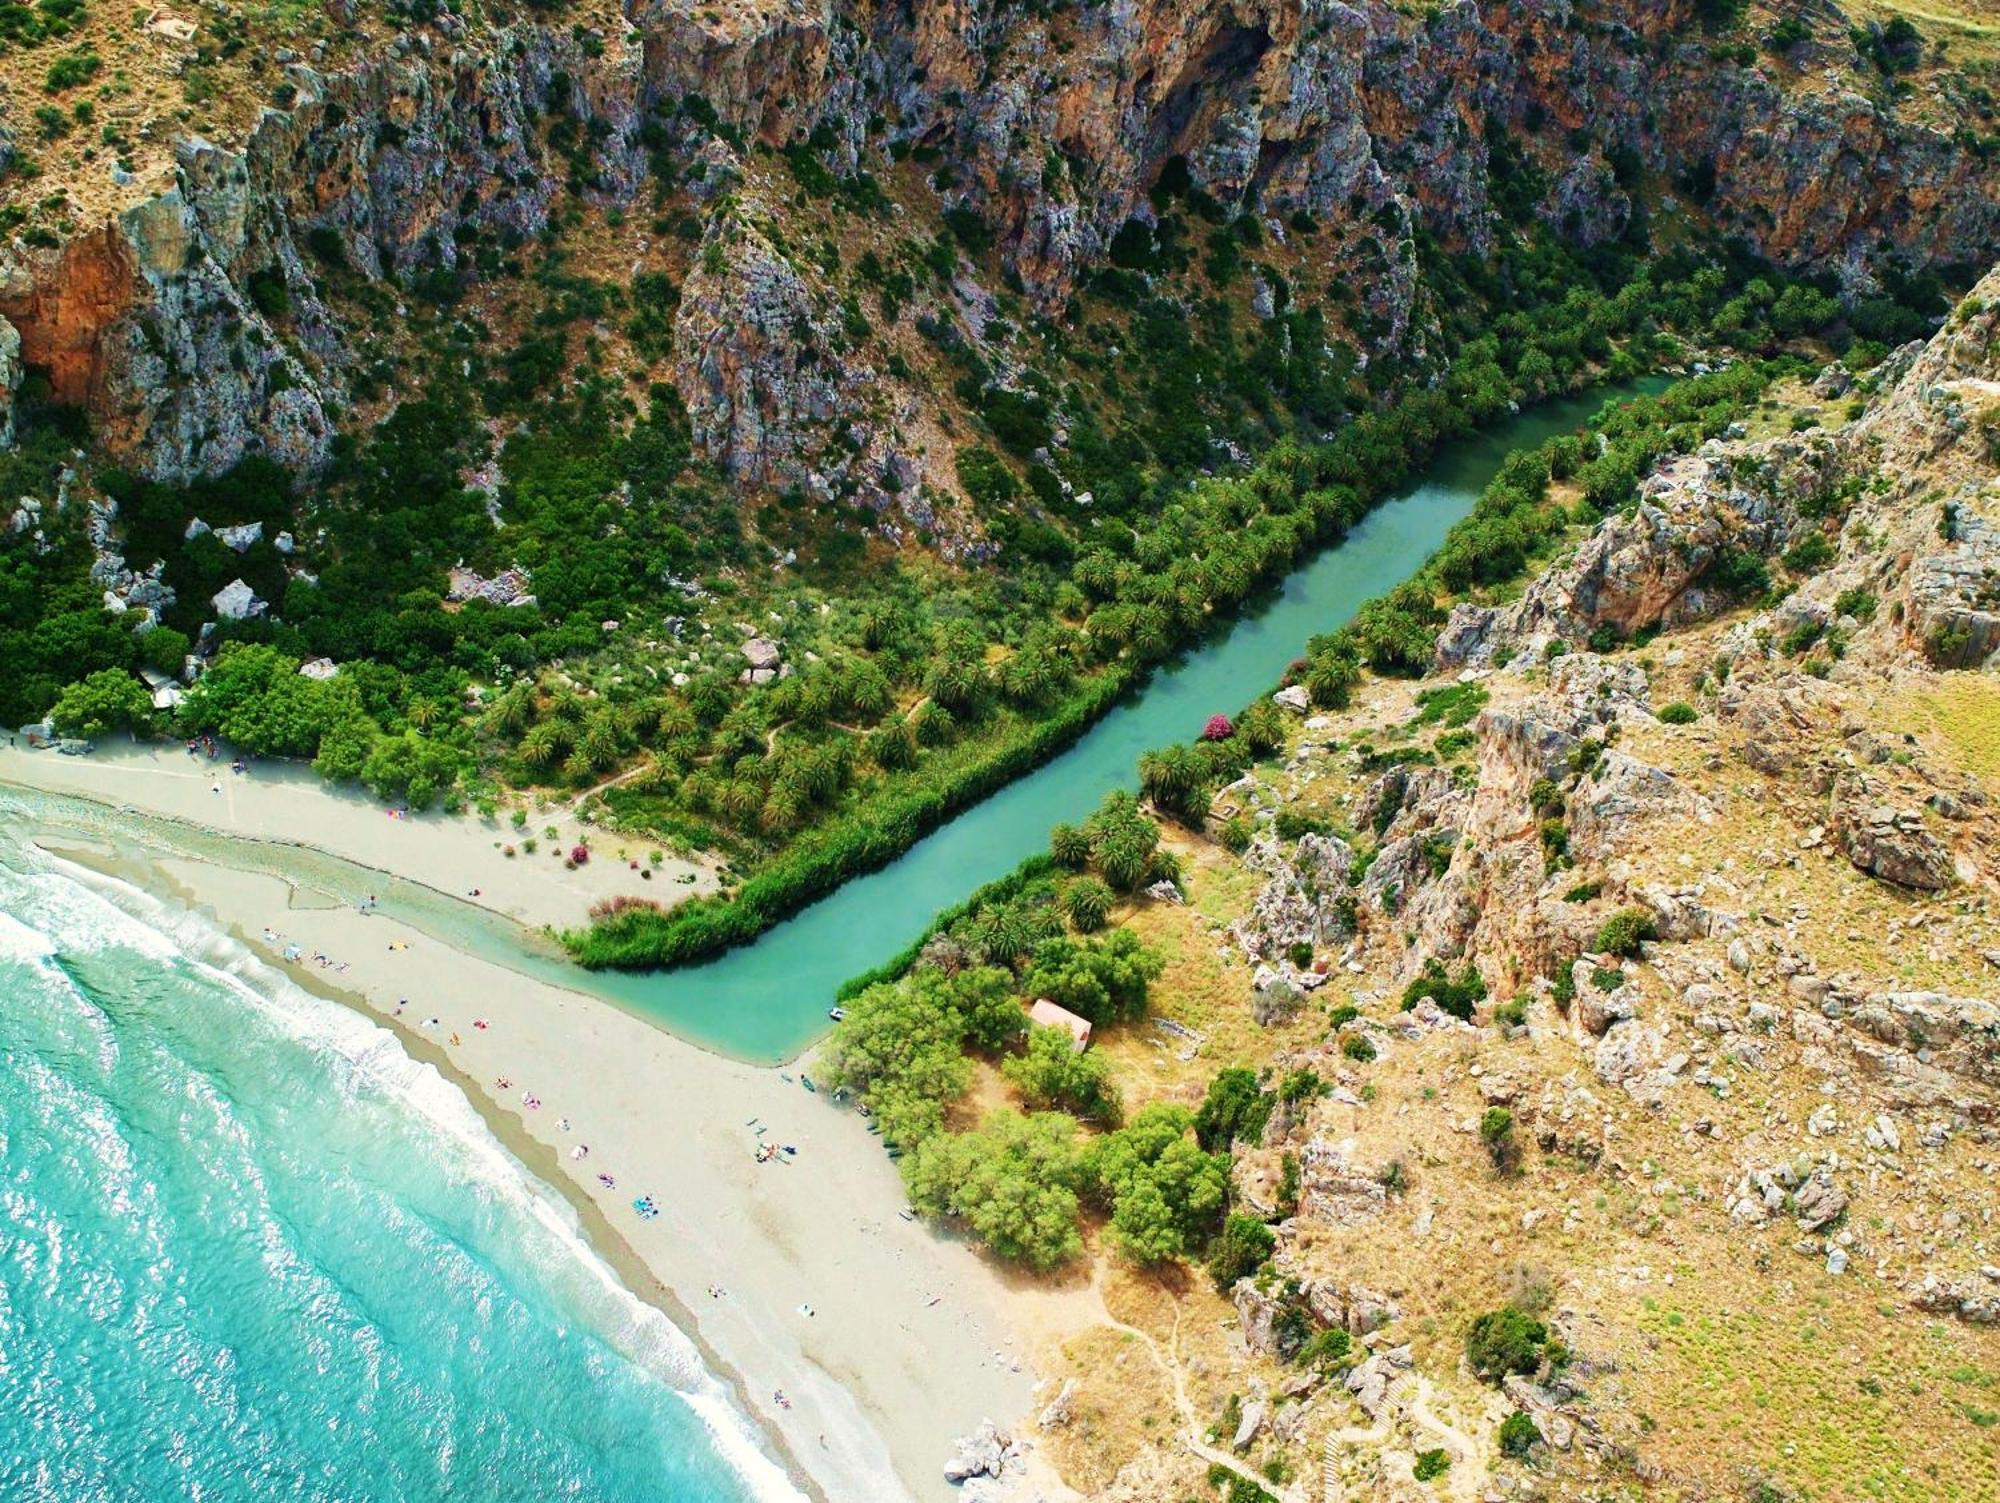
598	745
1123	860
545	741
515	710
1088	903
422	713
1172	776
1069	846
742	801
782	809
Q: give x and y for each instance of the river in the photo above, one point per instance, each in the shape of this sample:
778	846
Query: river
766	1001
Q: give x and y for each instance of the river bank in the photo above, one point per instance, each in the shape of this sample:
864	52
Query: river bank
797	1276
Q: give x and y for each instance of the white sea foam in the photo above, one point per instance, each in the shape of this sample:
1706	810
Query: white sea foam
21	943
80	909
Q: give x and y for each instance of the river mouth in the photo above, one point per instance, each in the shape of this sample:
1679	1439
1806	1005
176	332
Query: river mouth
767	1001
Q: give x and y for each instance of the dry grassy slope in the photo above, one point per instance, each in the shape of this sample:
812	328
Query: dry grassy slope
1721	1346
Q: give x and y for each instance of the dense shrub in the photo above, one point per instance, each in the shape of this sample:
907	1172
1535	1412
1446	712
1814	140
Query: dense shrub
1625	931
1518	1435
1505	1341
1458	995
1236	1107
1240	1251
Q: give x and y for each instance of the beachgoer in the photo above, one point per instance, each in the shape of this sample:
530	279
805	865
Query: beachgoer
563	1123
456	1039
479	1023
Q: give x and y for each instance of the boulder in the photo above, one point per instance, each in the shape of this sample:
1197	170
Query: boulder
983	1453
241	538
1818	1202
236	601
1889	843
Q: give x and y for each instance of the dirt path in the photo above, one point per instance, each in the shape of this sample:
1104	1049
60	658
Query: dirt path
1168	1361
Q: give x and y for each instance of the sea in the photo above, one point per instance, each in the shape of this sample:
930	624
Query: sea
250	1249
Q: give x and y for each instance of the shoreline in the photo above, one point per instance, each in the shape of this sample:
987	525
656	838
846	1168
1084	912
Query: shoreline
540	1160
889	1340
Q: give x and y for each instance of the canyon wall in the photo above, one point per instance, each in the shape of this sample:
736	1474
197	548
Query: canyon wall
192	325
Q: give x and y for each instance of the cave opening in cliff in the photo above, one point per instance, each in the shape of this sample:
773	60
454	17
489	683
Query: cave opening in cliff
1211	80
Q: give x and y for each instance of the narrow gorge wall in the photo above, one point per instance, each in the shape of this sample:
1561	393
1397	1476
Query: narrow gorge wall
1052	126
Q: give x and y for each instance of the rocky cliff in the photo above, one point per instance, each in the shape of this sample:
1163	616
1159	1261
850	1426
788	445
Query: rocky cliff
195	325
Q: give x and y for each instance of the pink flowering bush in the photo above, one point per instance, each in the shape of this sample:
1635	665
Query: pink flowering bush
1218	729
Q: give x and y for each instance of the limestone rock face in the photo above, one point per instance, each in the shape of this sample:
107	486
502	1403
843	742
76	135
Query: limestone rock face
10	378
149	320
1054	128
748	343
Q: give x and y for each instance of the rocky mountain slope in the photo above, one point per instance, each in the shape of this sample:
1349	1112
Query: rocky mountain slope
1654	1001
186	302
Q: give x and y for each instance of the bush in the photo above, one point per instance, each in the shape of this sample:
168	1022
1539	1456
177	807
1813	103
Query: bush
1358	1047
1325	1348
1680	712
1625	931
1240	1251
73	68
1786	34
1457	995
1496	1131
1431	1464
1236	1107
1505	1341
1809	554
1518	1435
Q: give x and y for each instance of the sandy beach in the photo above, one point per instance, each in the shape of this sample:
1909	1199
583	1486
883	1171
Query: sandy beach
290	805
797	1275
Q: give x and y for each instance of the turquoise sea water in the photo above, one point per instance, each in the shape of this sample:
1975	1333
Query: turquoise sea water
250	1250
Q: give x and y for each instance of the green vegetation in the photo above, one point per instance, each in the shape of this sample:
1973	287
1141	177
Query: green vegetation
108	700
1504	1341
1431	1464
1240	1251
1503	1146
1518	1435
1458	995
1236	1108
1625	931
1680	712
